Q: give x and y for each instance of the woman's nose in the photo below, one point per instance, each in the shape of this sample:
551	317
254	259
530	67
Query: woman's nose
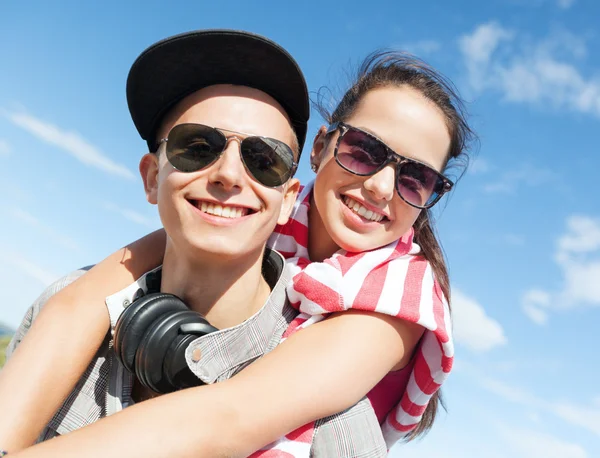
382	184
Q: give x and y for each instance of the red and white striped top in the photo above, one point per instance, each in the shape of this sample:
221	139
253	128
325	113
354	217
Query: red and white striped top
394	280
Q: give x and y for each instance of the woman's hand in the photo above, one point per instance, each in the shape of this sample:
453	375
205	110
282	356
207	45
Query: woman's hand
62	341
316	372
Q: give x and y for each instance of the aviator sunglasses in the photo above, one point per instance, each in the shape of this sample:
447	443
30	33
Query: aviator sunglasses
193	147
363	154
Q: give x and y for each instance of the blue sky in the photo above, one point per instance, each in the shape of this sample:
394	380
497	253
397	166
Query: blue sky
521	231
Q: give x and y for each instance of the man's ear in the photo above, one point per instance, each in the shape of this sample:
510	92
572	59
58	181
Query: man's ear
290	192
149	173
319	144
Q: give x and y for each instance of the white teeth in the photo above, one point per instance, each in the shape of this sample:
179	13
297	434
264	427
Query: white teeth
222	211
362	211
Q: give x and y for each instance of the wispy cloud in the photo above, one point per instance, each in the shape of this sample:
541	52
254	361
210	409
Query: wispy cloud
473	328
49	232
534	302
502	60
70	142
479	166
422	47
562	4
131	215
584	416
526	175
565	4
578	257
29	268
5	149
534	444
513	239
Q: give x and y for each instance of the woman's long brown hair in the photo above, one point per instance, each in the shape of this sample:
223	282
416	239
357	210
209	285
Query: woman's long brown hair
391	68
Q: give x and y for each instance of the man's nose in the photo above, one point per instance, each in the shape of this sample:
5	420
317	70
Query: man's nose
229	171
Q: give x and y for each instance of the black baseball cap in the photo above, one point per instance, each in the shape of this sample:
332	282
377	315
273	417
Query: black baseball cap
175	67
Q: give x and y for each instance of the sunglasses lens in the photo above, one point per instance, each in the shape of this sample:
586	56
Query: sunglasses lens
192	147
419	184
359	153
270	161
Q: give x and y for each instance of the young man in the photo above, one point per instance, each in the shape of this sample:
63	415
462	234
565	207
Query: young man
218	206
246	98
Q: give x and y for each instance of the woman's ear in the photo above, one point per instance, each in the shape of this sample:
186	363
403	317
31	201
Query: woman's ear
318	148
149	173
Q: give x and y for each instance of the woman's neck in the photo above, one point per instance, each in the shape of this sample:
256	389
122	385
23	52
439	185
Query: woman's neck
226	293
320	244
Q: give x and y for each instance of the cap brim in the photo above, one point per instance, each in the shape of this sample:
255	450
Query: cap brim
173	68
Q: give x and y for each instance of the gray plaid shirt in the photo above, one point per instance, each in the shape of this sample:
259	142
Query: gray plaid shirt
106	385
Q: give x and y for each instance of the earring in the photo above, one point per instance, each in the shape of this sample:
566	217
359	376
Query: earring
314	167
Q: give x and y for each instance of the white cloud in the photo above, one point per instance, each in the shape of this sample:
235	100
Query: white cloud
542	73
131	215
583	236
534	444
5	148
478	48
70	142
578	257
472	327
50	233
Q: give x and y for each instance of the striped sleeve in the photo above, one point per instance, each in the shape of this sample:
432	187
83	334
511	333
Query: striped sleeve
394	280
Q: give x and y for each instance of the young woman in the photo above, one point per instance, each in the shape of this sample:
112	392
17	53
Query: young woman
363	225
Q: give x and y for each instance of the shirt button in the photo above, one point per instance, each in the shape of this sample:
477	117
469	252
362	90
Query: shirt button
196	355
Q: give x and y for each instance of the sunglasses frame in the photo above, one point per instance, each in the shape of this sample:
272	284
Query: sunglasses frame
239	137
392	156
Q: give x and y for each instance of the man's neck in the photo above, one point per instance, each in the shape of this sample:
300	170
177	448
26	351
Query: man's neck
226	293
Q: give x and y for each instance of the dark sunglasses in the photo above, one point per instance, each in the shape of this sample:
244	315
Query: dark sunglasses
193	147
363	154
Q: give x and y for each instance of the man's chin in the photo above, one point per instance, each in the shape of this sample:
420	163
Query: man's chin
221	249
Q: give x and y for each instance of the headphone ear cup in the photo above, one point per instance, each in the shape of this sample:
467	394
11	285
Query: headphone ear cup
134	321
175	368
177	372
153	348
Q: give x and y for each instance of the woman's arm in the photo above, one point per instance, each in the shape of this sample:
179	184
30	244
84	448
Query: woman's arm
62	341
317	372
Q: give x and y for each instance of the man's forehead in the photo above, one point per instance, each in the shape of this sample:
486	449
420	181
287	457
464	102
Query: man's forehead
228	92
238	108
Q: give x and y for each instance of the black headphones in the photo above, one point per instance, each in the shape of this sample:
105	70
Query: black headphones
151	337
